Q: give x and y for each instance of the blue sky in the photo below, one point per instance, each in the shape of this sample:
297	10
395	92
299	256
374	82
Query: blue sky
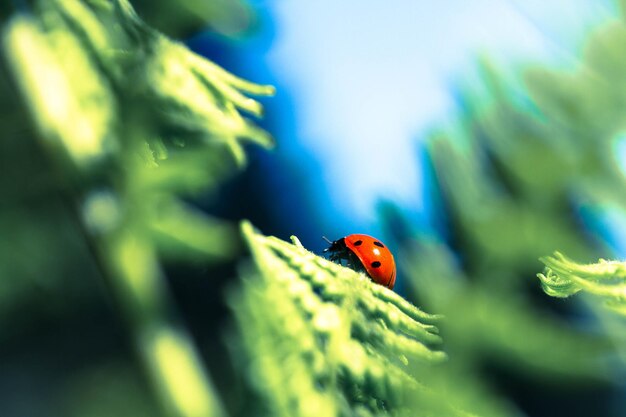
367	78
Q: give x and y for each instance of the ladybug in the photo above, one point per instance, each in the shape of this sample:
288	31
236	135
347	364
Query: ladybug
367	254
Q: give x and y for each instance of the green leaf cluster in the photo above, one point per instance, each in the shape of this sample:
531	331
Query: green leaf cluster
586	107
573	101
125	125
527	154
605	280
325	340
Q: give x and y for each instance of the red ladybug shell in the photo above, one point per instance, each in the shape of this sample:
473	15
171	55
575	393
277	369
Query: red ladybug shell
371	253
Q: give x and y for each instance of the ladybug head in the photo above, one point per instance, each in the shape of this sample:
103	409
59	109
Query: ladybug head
336	246
339	253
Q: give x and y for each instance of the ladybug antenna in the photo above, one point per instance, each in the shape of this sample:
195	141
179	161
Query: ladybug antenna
327	240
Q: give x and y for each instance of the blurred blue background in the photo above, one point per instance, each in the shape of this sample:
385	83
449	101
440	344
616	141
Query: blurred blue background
359	85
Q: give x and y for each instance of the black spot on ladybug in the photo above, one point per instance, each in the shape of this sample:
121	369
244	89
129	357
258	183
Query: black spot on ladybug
380	245
375	264
358	243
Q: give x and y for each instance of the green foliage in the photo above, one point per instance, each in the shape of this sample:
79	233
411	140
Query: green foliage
594	169
325	340
501	216
513	171
128	123
80	52
180	19
603	285
606	280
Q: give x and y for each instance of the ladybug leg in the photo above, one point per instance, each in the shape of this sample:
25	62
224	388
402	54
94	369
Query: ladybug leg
333	256
340	254
353	262
343	256
336	255
337	251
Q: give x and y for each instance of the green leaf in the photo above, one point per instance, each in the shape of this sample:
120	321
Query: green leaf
326	340
68	97
606	280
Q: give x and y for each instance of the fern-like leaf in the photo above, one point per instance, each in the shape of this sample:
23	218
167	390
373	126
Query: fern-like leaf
325	339
605	280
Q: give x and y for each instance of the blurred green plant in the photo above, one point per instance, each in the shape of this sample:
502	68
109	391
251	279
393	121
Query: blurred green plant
513	174
596	163
128	123
180	19
597	166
